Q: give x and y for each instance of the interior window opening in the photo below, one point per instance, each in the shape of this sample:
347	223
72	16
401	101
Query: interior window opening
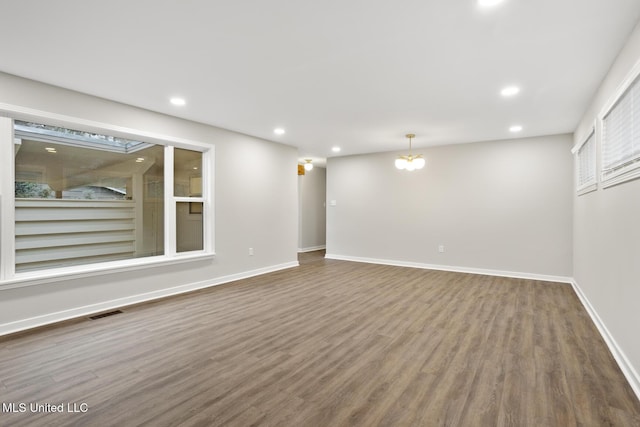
83	198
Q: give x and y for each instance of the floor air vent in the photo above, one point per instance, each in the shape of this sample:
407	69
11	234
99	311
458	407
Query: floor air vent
100	316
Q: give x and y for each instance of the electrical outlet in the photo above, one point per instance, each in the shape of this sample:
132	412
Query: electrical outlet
250	251
441	248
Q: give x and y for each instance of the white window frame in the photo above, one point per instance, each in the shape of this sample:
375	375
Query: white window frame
586	143
10	279
630	169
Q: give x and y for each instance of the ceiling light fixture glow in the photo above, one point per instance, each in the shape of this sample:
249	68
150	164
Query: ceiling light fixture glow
278	131
336	149
489	3
515	128
178	101
308	165
510	91
410	162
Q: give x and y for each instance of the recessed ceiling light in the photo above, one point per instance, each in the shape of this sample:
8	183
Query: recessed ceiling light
140	159
489	3
510	91
278	131
515	128
50	149
336	149
178	101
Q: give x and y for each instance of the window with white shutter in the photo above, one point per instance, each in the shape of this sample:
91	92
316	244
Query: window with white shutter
621	137
586	165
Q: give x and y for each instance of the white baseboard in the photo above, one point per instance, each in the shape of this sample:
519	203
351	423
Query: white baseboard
312	248
623	362
47	319
486	272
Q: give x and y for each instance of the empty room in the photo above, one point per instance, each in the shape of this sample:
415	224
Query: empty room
409	213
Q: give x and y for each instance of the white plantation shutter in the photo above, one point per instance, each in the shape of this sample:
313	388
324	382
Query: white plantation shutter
587	162
621	133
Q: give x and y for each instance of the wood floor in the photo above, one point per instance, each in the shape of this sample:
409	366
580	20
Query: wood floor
330	343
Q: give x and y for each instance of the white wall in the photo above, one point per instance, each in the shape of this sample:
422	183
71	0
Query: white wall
312	187
503	206
255	206
607	237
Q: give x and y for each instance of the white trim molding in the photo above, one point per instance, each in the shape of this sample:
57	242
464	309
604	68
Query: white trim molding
583	139
623	362
627	173
31	114
89	270
7	201
471	270
312	248
60	316
591	157
587	189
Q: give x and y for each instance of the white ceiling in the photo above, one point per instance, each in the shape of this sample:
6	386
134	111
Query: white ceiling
357	74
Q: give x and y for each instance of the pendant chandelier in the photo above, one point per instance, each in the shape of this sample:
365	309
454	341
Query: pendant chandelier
410	162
